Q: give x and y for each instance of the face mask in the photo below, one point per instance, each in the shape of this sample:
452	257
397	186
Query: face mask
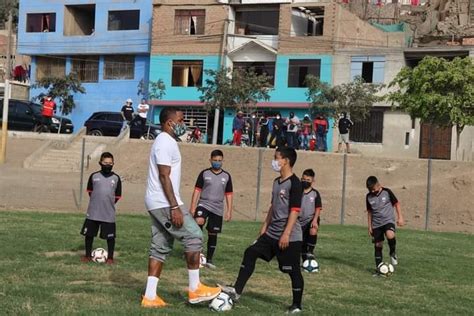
179	129
276	166
216	165
278	117
253	116
106	169
305	184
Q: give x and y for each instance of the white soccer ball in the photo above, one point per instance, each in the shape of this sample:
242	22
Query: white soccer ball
310	265
202	261
221	303
99	255
385	269
391	268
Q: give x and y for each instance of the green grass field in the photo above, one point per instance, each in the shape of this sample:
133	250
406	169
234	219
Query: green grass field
40	272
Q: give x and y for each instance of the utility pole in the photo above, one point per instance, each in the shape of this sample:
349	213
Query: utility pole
9	46
222	65
6	94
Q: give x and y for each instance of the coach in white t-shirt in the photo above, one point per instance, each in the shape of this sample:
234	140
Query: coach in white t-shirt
169	219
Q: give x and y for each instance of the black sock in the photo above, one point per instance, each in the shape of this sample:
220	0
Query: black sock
111	247
378	255
246	269
89	241
312	240
211	246
297	286
392	244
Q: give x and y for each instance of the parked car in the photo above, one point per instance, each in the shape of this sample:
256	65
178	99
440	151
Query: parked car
110	124
26	116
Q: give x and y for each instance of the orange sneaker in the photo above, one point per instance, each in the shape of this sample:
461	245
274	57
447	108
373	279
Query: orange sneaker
203	294
156	303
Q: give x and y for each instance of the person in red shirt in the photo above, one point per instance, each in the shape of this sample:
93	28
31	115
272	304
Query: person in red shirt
48	110
321	128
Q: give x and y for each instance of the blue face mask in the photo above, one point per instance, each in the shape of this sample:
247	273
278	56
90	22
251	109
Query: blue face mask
216	165
179	129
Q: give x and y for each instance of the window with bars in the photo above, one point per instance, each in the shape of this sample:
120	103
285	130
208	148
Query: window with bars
189	22
86	68
187	73
50	67
370	130
259	68
119	67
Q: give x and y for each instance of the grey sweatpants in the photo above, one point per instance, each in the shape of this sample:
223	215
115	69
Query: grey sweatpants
163	233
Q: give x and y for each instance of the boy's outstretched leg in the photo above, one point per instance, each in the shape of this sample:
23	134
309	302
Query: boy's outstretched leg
297	286
378	253
110	250
392	243
211	248
89	240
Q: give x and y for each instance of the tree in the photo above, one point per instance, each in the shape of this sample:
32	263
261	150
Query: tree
238	88
5	7
61	89
356	97
154	91
437	91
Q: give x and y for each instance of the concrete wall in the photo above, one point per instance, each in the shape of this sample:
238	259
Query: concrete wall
465	151
101	42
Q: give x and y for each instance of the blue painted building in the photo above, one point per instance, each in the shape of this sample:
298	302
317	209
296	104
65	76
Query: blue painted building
191	43
105	43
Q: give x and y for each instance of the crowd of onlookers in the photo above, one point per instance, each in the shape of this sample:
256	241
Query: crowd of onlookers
275	131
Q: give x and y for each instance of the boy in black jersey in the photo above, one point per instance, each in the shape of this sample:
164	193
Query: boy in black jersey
213	185
309	216
280	235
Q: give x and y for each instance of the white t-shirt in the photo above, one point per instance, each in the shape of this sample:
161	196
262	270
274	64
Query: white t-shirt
142	107
165	151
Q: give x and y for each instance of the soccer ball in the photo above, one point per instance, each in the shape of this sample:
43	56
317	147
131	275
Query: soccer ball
99	255
310	265
385	269
221	303
202	261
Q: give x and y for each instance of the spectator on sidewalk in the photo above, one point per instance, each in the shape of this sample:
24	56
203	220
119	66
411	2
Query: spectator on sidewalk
127	113
306	132
264	130
277	132
292	123
142	110
252	123
237	128
321	129
344	125
47	112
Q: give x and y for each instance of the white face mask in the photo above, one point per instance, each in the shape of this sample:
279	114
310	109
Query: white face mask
276	166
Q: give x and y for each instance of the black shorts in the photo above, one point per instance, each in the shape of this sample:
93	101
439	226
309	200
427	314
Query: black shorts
379	232
288	260
214	222
91	228
306	228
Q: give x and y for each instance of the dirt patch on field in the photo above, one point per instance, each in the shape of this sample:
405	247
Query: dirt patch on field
452	190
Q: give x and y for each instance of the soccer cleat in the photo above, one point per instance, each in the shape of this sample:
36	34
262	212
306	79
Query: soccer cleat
294	309
394	259
156	303
229	290
203	294
110	261
210	265
86	259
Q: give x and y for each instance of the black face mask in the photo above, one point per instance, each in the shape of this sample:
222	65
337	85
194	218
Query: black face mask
106	169
306	184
